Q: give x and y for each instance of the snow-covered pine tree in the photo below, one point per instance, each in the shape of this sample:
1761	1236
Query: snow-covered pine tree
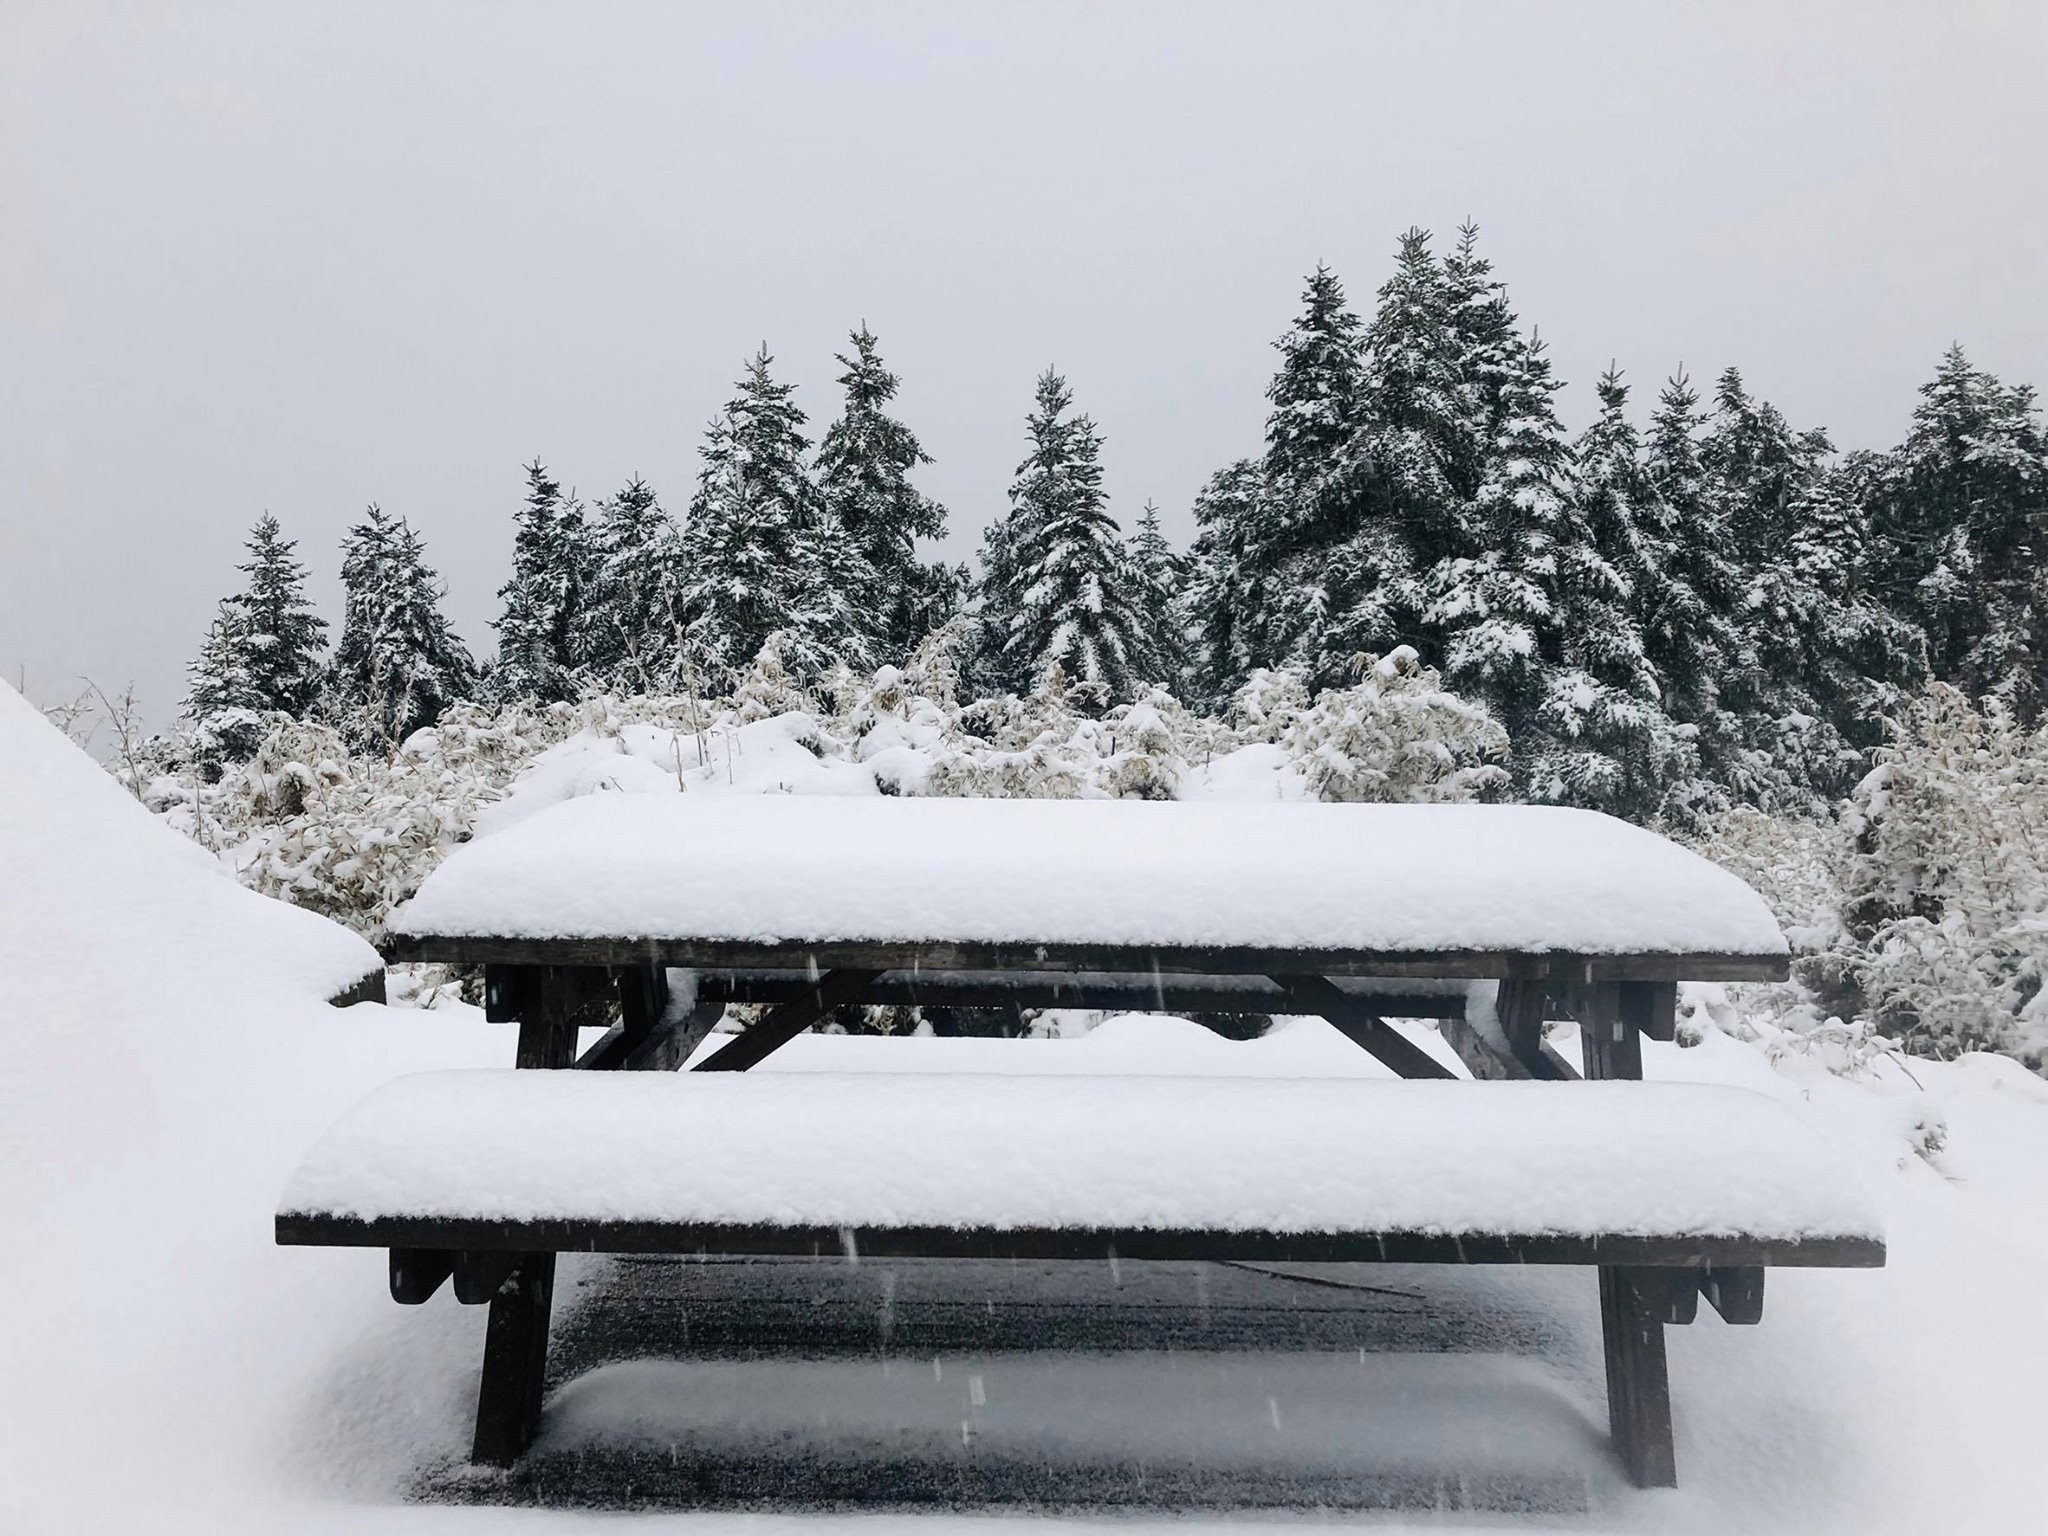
1835	664
542	622
1159	574
398	664
1229	584
1315	395
628	637
1758	466
1398	483
224	704
760	552
1617	741
1691	609
1963	515
283	634
1057	585
863	475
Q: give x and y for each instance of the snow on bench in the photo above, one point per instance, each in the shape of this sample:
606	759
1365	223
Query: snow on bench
795	870
475	1155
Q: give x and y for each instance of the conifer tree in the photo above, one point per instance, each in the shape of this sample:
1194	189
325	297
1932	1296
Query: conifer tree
398	665
863	474
1315	395
542	621
1229	583
283	634
760	552
1964	519
1691	609
1398	485
629	623
224	704
1057	585
1159	597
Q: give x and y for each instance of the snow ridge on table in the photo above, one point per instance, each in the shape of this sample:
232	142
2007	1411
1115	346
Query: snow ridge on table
818	1149
1112	872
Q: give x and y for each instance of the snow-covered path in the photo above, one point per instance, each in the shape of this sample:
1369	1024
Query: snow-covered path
167	1059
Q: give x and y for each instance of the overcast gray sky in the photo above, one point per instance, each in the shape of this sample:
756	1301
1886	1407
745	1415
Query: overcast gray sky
297	258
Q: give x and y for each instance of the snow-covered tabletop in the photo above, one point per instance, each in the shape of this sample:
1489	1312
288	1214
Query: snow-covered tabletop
803	1149
1292	876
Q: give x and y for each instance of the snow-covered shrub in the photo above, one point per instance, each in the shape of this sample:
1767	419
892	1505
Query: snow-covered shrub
1946	891
1397	734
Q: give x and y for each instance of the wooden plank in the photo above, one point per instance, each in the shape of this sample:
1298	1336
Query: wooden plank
643	998
1688	1252
782	1025
1486	1063
1736	1292
480	1273
1632	1307
938	957
1362	1027
548	1002
675	1038
365	989
417	1273
1521	1005
1638	1378
1610	1038
1109	992
1652	1007
515	1362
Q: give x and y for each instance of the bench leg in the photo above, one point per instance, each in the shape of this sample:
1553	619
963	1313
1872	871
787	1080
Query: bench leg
1638	1384
515	1362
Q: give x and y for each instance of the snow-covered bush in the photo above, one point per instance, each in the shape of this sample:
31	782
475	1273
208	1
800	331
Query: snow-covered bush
1946	891
352	833
1922	912
1396	735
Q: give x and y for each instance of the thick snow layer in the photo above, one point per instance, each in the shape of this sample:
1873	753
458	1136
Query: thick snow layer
166	1368
1204	1154
59	812
1282	876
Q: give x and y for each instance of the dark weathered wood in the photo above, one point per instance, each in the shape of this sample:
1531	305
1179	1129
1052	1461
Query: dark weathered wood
548	1001
1362	1027
480	1273
1521	1005
1692	1252
1633	1307
781	1025
1736	1292
643	998
1652	1007
365	989
675	1038
417	1273
515	1362
1638	1379
936	958
1610	1038
1482	1059
1163	993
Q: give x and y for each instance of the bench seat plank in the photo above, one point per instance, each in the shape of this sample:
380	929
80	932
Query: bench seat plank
1516	1171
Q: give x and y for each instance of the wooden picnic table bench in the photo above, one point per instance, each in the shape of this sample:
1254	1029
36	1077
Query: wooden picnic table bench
1487	919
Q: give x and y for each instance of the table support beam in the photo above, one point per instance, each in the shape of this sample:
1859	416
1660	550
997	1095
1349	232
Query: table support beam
1362	1027
1613	1016
783	1024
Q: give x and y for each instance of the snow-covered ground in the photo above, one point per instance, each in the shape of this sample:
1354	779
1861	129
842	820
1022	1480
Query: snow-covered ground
167	1059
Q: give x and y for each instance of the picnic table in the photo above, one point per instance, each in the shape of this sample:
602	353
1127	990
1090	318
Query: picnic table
664	909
